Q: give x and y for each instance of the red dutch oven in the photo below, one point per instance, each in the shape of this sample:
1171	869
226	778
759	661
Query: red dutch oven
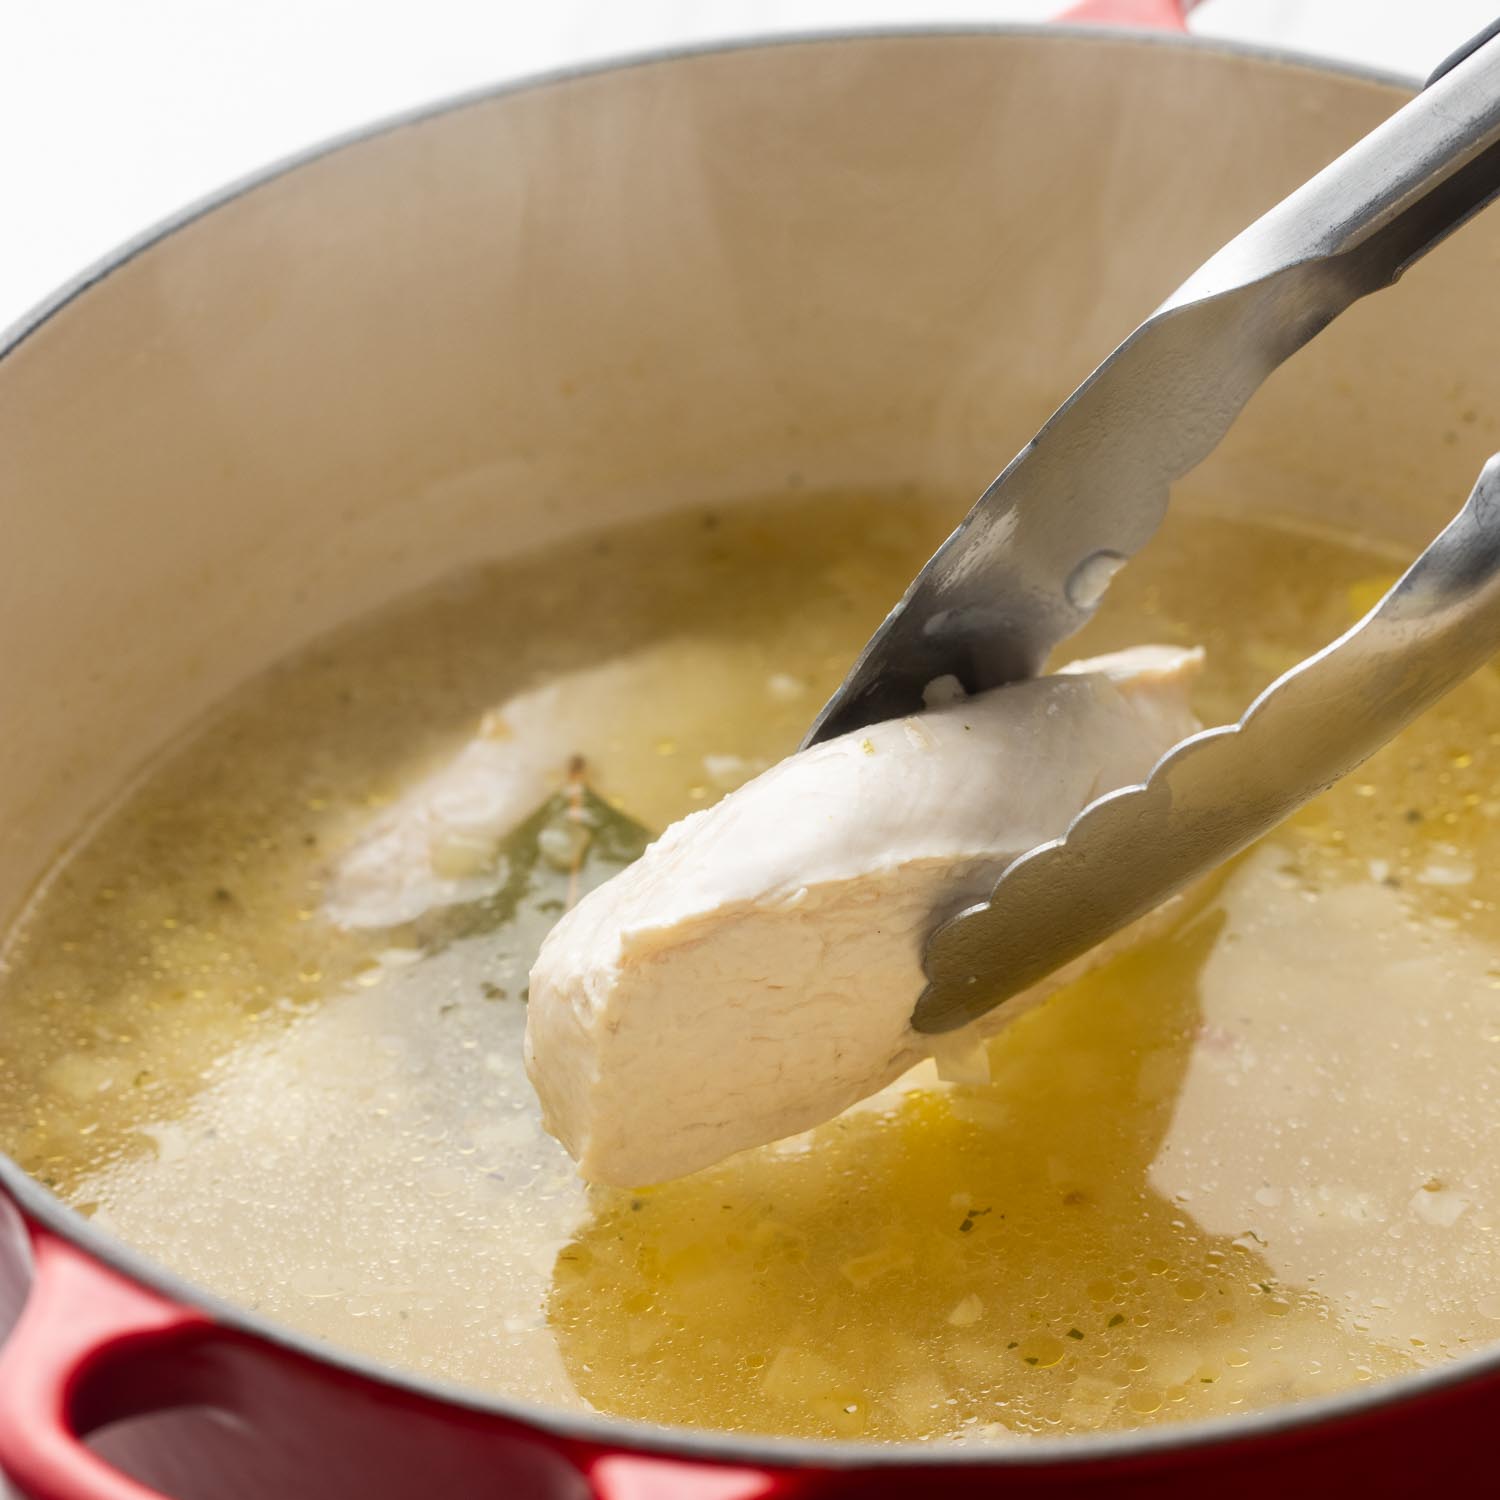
840	259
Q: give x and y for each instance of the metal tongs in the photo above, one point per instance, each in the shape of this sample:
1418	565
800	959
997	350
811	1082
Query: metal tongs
1031	561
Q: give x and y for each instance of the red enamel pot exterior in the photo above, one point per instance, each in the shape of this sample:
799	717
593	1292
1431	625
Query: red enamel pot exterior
118	1382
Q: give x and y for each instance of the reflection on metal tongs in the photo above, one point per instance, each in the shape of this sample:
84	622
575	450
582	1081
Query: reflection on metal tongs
1030	562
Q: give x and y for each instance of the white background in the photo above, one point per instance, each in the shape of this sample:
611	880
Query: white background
113	113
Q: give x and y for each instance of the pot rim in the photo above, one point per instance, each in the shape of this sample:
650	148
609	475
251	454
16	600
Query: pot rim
40	1205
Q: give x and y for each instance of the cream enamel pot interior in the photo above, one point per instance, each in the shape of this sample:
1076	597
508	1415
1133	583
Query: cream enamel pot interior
577	301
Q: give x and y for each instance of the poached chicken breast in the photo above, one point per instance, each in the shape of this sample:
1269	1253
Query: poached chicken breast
754	973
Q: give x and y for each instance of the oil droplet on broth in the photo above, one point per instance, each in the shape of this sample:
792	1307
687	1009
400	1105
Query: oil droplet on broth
1180	1195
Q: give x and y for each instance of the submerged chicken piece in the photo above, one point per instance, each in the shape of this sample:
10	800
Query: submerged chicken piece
755	971
441	844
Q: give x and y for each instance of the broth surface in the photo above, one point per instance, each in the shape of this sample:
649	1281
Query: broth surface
1246	1162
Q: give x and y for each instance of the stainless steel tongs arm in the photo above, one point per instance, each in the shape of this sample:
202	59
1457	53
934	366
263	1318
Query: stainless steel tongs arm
1218	791
1028	565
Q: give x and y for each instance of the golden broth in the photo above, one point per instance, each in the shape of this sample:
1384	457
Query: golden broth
1244	1163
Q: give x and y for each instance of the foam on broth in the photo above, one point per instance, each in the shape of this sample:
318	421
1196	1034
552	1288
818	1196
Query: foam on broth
1246	1162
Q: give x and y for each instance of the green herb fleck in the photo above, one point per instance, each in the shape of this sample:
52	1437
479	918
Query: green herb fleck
535	891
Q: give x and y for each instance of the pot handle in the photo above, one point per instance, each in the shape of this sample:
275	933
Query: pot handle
1150	15
639	1476
80	1317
